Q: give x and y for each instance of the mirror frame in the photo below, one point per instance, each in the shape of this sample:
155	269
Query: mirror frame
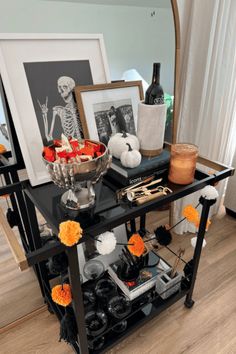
15	153
176	69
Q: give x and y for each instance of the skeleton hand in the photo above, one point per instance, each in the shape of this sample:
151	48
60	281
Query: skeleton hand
44	109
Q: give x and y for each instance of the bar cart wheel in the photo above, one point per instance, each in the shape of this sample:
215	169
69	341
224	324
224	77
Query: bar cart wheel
189	303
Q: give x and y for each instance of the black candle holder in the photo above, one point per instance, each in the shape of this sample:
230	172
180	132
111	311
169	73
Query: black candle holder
105	289
119	307
96	322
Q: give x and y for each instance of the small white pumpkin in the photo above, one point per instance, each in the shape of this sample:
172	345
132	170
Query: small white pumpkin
131	158
117	143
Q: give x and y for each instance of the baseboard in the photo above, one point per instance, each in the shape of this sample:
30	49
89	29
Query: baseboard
23	319
231	212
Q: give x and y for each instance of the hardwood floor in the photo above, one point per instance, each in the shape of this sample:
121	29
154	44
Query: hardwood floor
207	328
19	291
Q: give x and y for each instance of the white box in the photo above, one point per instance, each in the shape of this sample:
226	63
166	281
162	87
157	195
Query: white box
166	286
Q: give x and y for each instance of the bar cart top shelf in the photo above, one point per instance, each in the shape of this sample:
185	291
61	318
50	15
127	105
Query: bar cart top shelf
108	212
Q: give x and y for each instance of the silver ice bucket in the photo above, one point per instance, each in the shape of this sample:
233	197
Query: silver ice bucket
79	178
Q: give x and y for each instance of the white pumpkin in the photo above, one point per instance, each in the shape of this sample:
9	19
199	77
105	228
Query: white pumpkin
131	158
117	143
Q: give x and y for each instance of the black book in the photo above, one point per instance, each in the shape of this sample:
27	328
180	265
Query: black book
157	165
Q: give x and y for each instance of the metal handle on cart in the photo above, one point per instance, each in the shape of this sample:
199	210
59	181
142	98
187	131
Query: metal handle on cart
15	247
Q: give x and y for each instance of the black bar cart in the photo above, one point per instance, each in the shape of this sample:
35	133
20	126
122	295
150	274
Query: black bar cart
108	214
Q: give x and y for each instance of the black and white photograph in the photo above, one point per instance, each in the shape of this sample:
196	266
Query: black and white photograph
51	86
114	117
108	109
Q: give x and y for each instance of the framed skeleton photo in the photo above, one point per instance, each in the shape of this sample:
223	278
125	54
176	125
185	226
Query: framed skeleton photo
39	73
108	109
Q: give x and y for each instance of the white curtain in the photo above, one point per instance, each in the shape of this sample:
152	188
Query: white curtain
207	114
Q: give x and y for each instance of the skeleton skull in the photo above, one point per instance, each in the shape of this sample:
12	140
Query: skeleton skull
65	85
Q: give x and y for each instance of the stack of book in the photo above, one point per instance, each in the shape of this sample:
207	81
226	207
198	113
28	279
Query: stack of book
157	165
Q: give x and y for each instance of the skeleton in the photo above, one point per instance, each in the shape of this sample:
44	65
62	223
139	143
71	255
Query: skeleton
68	114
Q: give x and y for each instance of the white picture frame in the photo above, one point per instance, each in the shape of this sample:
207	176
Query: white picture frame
18	50
100	104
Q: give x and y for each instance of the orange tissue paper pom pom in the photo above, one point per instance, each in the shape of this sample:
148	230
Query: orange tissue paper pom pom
70	232
191	214
137	248
2	149
197	223
61	294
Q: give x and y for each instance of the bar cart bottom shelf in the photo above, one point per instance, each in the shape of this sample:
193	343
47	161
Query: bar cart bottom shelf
137	320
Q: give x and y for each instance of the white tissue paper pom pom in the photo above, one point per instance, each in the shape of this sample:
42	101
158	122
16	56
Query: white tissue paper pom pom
106	243
194	241
209	192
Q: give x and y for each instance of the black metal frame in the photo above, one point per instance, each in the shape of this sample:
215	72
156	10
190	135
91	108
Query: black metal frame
14	188
18	163
40	254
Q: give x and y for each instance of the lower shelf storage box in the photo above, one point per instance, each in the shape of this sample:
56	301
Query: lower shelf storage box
166	286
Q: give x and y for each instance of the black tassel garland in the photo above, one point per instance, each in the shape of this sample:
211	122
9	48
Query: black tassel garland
11	218
163	236
68	330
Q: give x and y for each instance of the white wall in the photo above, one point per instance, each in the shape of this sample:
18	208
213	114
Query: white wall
133	37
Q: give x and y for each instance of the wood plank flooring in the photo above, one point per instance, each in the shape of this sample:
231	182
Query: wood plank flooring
19	291
208	328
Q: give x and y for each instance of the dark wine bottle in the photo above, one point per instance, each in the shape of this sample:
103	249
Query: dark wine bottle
154	93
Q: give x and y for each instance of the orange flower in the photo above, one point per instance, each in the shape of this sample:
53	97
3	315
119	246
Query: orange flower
2	149
61	294
138	247
70	232
197	223
191	214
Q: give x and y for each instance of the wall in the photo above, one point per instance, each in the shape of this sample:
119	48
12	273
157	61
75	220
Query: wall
133	38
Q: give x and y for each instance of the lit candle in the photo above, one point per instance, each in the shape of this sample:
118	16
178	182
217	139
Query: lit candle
182	163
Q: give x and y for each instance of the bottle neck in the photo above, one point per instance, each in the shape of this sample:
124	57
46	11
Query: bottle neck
156	73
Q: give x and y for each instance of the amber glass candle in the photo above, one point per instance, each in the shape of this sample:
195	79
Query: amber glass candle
183	159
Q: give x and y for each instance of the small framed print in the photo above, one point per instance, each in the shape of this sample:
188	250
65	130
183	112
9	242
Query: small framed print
108	109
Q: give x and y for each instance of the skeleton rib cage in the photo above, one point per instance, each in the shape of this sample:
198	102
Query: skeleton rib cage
70	121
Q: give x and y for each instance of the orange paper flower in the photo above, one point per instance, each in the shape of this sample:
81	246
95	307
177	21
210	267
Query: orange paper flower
61	294
137	248
70	232
197	223
2	149
191	214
